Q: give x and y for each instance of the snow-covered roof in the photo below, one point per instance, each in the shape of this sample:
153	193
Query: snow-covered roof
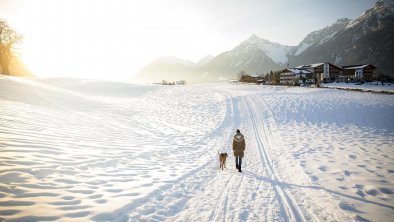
357	66
310	65
314	65
298	71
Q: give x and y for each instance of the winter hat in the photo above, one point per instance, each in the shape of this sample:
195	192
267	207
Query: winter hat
238	131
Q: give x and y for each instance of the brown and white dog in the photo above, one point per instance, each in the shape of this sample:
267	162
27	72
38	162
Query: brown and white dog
222	160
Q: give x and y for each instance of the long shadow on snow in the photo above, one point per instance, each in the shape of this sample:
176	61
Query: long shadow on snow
289	185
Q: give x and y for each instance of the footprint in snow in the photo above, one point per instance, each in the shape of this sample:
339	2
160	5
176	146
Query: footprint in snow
78	214
386	190
8	212
372	192
244	215
68	197
360	192
360	219
347	172
323	168
101	201
359	186
353	157
349	207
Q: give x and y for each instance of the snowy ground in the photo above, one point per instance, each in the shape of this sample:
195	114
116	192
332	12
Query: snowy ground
369	86
74	150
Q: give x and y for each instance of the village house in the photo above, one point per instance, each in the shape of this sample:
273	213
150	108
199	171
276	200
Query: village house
262	80
358	72
180	82
250	78
324	72
293	76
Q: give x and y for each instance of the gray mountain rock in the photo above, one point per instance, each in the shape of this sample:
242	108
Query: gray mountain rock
366	39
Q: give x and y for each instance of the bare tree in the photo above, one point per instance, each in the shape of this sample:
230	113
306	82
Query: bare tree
8	39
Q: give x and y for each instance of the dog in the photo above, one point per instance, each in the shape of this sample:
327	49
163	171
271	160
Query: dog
222	160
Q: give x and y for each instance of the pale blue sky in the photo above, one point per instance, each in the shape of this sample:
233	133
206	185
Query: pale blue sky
91	38
286	22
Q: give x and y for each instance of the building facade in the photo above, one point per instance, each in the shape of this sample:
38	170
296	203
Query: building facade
358	72
324	72
293	76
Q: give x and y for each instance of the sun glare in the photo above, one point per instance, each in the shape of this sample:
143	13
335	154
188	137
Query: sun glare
105	39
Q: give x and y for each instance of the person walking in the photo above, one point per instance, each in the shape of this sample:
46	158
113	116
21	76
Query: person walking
238	149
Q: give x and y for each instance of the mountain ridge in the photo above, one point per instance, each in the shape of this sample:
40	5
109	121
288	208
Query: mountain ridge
366	39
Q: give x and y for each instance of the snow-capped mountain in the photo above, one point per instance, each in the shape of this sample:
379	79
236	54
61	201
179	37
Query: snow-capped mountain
275	51
254	55
366	39
381	9
320	36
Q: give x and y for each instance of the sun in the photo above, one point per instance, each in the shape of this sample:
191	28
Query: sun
106	39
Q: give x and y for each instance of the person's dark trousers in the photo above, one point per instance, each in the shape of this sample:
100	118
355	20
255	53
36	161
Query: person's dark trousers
238	162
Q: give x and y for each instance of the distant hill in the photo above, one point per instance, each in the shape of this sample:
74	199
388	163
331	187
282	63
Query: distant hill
366	39
170	69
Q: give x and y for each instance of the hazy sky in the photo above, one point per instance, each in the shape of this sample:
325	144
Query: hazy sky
113	39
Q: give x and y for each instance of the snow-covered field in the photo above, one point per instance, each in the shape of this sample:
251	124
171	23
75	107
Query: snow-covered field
369	86
77	150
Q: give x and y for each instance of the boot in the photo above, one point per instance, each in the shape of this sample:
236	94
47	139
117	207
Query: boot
236	166
239	169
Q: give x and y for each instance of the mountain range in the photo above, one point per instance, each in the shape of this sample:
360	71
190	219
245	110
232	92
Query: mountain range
366	39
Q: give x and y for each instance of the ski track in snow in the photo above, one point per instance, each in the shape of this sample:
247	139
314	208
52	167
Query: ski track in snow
291	208
75	150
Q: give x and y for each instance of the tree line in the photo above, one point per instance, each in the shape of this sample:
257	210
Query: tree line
273	77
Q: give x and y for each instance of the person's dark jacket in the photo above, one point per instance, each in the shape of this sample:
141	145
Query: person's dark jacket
239	145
